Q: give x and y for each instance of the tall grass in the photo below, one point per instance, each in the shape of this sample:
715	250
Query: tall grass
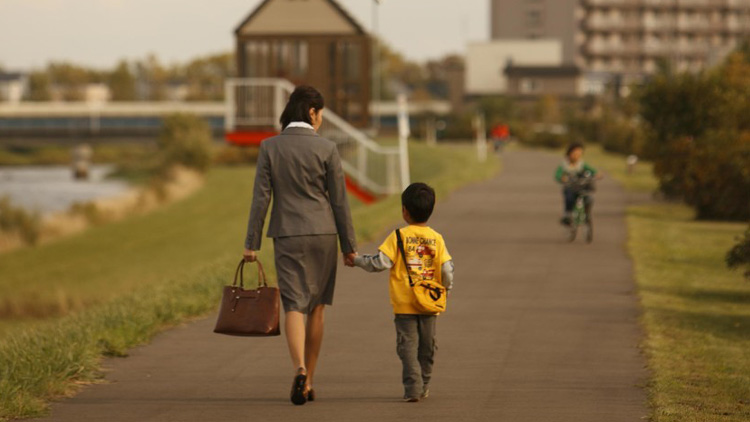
16	220
129	280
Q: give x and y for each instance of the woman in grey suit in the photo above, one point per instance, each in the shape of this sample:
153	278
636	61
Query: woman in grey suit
302	171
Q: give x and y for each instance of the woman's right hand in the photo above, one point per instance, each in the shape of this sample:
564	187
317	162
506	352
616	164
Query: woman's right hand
250	255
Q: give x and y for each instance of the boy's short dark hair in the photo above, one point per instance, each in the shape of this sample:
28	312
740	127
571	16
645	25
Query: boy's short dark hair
572	147
419	200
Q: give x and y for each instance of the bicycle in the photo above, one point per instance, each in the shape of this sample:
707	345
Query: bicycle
583	186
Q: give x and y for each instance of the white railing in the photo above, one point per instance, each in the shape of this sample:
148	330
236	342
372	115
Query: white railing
258	103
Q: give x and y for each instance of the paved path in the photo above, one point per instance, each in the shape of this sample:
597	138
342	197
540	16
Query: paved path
537	330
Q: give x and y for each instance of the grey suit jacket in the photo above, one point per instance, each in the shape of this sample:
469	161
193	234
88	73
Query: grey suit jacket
302	171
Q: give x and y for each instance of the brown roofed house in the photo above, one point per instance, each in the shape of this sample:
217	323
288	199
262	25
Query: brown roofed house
314	42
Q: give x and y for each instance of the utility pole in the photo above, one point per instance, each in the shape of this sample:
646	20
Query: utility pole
375	67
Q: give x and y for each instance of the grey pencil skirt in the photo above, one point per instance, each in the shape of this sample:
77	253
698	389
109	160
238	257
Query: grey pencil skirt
306	270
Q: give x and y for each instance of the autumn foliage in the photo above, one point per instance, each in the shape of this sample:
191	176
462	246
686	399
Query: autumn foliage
698	130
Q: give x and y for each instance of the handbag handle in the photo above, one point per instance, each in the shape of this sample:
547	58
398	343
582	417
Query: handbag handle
400	243
262	280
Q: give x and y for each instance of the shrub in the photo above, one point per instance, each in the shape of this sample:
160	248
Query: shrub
15	219
717	176
185	140
459	127
739	255
614	132
548	139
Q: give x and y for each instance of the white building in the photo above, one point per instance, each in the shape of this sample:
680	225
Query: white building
97	93
487	62
13	87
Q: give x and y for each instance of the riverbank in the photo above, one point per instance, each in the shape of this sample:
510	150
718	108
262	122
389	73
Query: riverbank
115	285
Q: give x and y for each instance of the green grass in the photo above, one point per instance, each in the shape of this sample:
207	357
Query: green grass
115	286
696	315
641	180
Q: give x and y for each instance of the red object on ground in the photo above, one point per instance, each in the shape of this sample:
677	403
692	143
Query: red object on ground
361	194
248	138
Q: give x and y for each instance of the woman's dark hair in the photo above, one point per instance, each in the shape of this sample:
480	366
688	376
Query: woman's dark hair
572	147
300	102
419	200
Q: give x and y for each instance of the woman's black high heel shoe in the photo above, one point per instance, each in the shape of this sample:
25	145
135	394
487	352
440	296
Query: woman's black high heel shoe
298	395
311	395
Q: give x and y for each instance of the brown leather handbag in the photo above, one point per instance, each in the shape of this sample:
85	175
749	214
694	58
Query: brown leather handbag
249	313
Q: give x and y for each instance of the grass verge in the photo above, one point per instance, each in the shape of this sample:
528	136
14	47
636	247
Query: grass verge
695	314
129	280
640	180
695	311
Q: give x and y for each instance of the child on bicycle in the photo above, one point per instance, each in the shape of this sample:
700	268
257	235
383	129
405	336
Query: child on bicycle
427	259
572	168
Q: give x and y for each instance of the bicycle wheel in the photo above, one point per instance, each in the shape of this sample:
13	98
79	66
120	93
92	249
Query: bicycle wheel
574	223
572	232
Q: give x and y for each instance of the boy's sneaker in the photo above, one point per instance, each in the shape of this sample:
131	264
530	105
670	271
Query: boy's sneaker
408	399
425	393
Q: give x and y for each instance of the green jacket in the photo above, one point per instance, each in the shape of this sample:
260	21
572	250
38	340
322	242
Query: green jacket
565	168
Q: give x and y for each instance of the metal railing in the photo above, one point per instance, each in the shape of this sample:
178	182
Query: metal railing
254	103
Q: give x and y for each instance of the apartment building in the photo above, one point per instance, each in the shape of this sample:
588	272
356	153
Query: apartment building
628	38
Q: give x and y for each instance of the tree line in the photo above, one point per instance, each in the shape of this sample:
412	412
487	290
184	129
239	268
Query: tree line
202	79
147	79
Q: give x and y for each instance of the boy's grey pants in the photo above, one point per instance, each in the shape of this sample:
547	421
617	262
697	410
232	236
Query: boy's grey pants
415	344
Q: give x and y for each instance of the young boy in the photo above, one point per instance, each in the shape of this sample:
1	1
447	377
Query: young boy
427	259
571	168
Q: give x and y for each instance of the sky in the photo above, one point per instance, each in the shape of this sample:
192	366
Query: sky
99	33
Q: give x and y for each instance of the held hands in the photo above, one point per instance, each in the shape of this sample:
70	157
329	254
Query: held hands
349	259
250	255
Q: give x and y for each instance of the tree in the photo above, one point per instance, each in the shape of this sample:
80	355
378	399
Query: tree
70	79
205	77
154	78
122	83
185	140
39	87
699	137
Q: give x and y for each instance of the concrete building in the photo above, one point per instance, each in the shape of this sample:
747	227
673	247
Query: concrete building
626	39
561	81
486	62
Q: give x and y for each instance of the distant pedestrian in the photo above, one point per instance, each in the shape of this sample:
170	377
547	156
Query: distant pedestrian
427	259
302	171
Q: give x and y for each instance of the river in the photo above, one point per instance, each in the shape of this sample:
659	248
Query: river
50	189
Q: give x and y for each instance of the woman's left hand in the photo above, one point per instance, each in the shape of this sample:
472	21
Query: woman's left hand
250	255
